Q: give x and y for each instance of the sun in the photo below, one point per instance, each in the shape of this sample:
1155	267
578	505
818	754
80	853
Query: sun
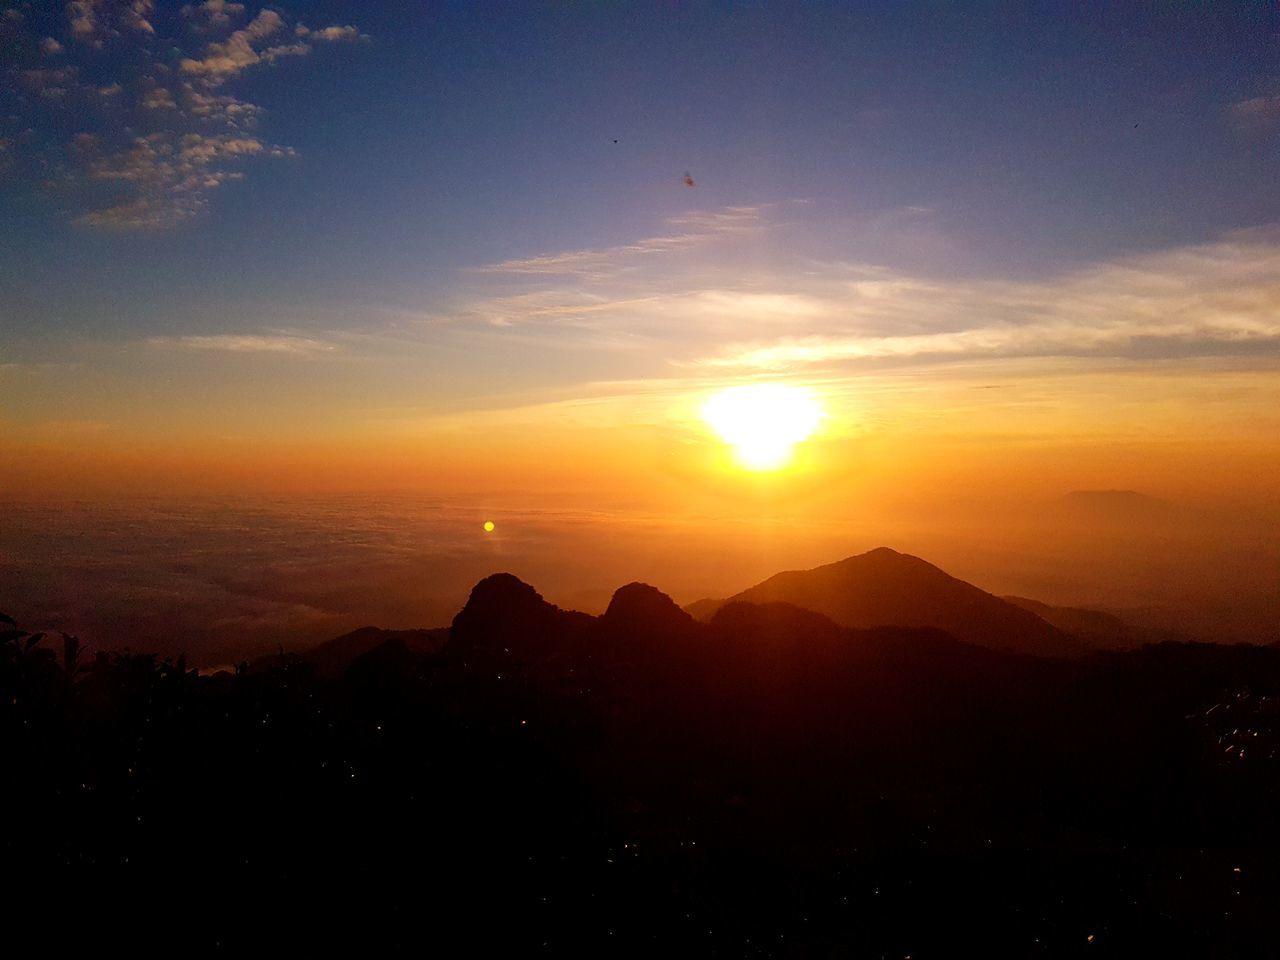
763	422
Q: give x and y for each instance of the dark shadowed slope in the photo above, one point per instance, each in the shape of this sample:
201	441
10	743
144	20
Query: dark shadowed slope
887	588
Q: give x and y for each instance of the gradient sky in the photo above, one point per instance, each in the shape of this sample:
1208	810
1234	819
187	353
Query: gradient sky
387	244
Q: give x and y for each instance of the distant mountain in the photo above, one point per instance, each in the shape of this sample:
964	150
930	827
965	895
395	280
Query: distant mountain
887	588
704	609
1099	629
332	657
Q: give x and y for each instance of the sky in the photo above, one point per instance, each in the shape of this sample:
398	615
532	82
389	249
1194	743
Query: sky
1015	250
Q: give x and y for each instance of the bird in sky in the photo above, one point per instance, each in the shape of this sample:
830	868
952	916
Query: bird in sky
688	180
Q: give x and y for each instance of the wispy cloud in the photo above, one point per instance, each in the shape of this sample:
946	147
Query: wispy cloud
1257	114
689	231
151	86
678	295
248	343
1206	299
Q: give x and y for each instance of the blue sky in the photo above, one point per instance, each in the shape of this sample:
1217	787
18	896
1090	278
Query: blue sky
278	206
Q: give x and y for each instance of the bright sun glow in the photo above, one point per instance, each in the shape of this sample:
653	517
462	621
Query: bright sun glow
763	422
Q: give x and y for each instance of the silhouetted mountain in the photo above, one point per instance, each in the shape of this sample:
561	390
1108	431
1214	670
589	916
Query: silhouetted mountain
504	615
887	588
641	602
778	625
332	657
705	608
638	611
1101	630
643	784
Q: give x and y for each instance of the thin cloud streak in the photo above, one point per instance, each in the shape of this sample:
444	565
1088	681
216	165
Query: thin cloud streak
696	229
247	343
1201	300
1191	301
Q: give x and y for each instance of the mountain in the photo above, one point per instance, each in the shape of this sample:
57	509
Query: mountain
506	617
332	657
887	588
639	613
630	783
1099	629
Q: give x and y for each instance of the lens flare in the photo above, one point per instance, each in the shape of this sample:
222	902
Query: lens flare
763	422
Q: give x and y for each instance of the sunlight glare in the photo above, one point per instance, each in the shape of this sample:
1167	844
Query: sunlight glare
763	422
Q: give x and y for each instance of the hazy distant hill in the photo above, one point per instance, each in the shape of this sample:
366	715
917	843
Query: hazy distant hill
332	657
1099	629
887	588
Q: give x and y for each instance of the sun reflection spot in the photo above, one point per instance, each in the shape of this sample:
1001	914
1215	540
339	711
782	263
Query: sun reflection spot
763	422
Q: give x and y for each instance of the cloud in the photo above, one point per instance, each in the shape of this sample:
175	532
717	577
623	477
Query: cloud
249	46
1201	300
685	298
170	176
81	17
689	230
330	34
1256	115
247	343
225	59
272	54
159	98
145	80
214	16
94	21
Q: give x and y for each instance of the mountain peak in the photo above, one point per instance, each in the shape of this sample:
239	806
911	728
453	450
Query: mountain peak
884	587
884	555
502	610
640	601
503	588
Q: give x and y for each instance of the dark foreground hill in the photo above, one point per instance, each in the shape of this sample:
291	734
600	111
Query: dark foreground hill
887	588
643	784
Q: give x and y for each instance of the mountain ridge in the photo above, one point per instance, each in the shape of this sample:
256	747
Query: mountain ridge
883	587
